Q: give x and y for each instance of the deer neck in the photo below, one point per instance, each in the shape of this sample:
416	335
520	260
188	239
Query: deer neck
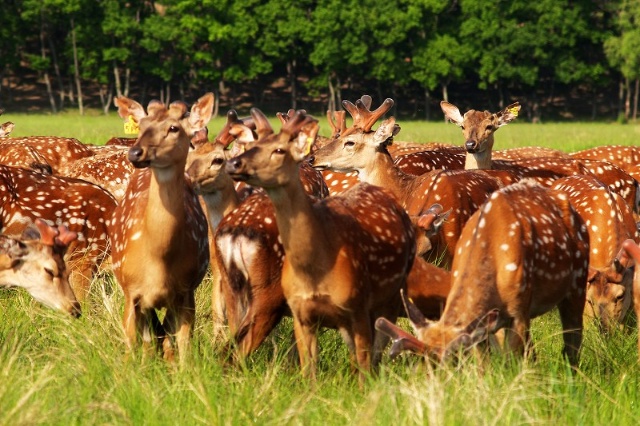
302	233
384	173
165	213
219	204
480	160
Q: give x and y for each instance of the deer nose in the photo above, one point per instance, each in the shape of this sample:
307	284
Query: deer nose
471	146
76	311
135	154
233	164
311	159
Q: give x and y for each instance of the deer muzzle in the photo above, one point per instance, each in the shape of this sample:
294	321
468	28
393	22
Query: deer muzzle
471	146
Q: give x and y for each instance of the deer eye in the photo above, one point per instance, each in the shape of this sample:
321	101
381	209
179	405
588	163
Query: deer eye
49	272
349	144
490	127
279	151
217	161
174	129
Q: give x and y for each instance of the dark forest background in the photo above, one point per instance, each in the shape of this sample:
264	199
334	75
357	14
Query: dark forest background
562	59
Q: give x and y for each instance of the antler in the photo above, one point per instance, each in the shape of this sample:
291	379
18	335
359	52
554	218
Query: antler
226	135
339	125
363	118
65	237
263	127
47	233
293	125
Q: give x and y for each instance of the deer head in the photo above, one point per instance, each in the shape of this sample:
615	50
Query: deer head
478	126
35	262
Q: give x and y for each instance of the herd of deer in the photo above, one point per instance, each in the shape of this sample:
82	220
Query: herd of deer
338	232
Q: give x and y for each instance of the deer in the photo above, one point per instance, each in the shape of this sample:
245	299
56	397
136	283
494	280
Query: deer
478	128
361	149
524	252
609	222
629	256
35	262
6	128
57	152
160	250
247	252
620	155
345	257
85	208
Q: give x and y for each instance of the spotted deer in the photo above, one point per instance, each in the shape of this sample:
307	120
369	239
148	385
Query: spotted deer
58	152
248	252
346	257
609	222
478	128
160	251
522	254
26	195
361	149
629	256
35	262
620	155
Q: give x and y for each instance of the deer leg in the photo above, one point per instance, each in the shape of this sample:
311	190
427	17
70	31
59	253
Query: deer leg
362	333
178	323
571	310
517	336
307	344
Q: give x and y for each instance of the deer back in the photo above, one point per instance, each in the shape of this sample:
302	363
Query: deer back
57	152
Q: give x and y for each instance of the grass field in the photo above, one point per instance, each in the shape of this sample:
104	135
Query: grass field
58	371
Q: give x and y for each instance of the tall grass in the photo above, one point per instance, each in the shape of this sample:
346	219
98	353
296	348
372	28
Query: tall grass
56	370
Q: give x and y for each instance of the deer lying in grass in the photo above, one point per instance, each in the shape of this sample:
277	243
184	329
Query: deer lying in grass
160	250
522	254
35	262
609	222
346	257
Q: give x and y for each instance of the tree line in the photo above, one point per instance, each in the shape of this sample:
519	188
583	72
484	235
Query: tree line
546	53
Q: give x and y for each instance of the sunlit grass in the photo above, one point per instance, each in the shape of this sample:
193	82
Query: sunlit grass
56	370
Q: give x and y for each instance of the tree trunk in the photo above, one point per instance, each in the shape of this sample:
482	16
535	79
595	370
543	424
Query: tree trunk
106	96
427	104
620	98
76	72
338	91
635	100
291	71
127	81
116	79
445	95
627	99
56	68
332	96
47	82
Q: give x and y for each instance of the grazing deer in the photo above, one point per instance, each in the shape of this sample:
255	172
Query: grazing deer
522	254
363	150
35	262
628	256
26	195
478	128
346	257
609	222
159	241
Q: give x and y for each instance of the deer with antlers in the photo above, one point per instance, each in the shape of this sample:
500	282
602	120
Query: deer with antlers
159	232
361	149
502	276
609	222
35	262
346	257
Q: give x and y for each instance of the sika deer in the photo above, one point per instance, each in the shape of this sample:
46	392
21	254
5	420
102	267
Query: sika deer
630	256
522	254
26	195
363	150
35	262
159	231
609	222
58	152
478	128
346	257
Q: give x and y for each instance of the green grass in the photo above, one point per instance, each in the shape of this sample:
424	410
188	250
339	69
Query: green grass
58	371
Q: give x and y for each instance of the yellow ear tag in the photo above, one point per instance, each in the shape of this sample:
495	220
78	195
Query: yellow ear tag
131	127
514	111
307	148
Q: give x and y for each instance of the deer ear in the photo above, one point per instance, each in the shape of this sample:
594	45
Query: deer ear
6	128
451	113
387	130
508	114
129	108
201	113
302	144
592	275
